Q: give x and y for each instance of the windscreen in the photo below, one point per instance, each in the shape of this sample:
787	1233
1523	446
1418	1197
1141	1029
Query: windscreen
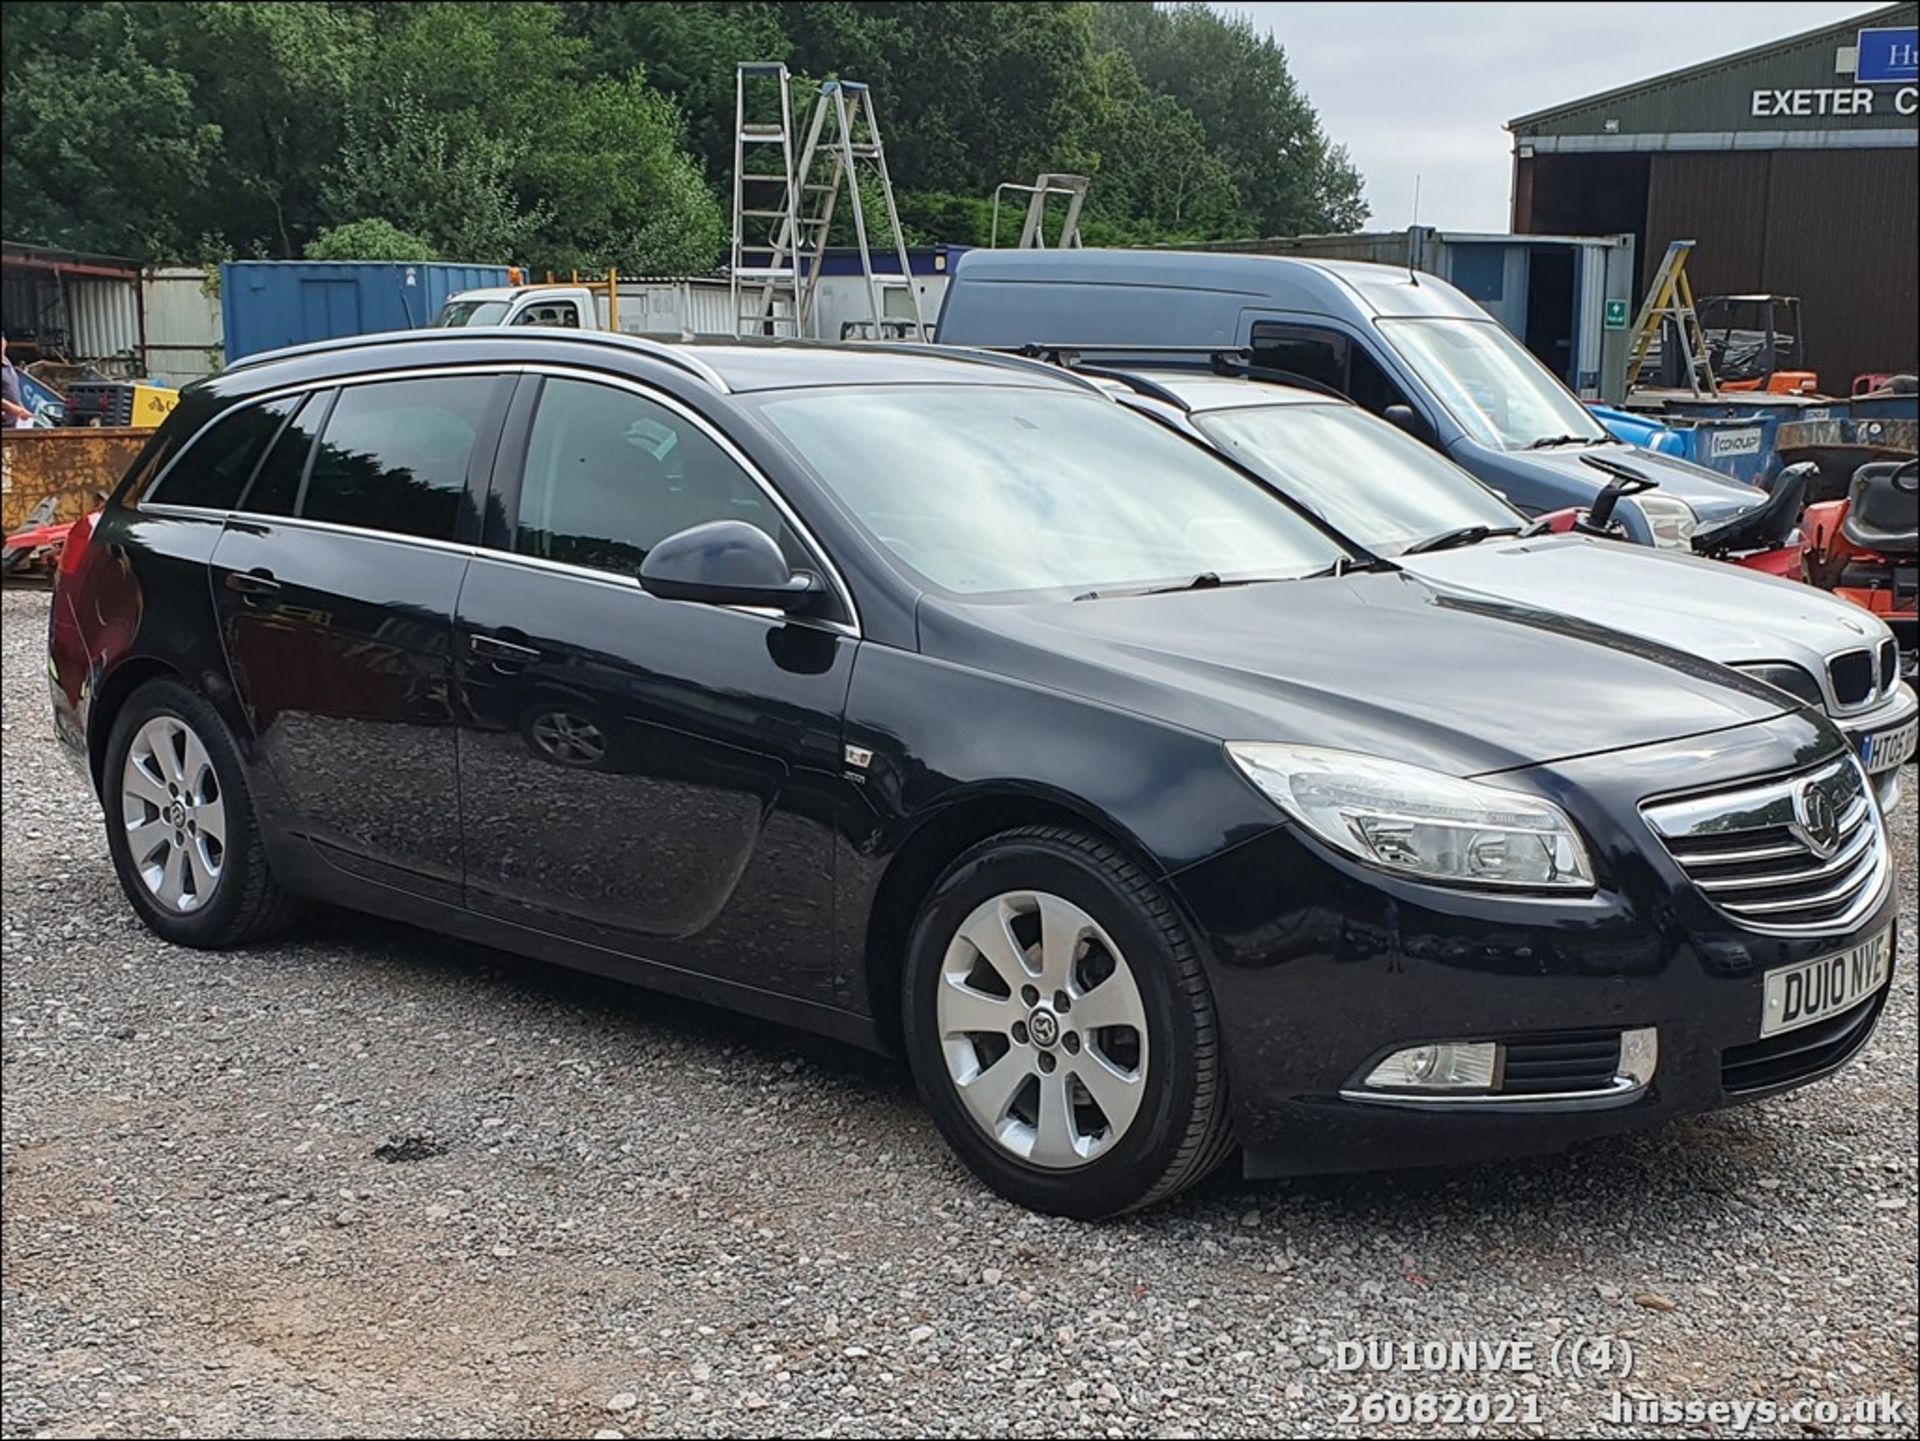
1370	480
471	312
982	490
1491	383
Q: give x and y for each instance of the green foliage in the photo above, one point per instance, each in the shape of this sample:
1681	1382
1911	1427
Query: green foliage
400	160
373	239
1292	179
586	134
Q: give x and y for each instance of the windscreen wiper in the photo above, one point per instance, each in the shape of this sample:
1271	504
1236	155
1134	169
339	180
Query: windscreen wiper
1206	580
1350	565
1547	442
1465	535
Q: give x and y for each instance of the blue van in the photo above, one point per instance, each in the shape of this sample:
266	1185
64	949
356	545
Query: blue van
1406	346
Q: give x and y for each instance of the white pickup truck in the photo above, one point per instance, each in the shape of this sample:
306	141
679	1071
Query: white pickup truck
573	307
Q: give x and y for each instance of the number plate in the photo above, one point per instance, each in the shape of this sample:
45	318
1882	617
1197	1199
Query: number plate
1883	750
1799	995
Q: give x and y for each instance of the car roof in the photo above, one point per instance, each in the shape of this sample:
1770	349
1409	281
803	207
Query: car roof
1292	282
727	366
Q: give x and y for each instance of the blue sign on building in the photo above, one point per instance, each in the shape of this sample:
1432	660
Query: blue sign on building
1889	56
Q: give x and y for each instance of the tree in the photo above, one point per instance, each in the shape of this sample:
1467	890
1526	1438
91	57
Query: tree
688	53
90	121
373	239
1149	161
276	79
562	165
402	162
1237	85
586	134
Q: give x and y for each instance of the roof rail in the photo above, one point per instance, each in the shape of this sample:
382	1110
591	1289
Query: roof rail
1138	384
1230	360
984	355
675	355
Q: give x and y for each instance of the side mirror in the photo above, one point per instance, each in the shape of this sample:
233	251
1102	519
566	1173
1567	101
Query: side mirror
1599	519
1411	421
728	562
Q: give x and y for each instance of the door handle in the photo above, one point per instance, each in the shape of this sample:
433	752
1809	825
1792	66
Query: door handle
252	582
502	652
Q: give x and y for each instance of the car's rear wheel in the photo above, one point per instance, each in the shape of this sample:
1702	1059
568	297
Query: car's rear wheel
1061	1028
180	823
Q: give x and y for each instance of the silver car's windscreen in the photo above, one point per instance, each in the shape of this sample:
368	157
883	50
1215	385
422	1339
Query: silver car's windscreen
985	490
1372	481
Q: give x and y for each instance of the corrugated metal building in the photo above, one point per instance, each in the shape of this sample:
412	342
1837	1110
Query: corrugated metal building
1795	165
74	306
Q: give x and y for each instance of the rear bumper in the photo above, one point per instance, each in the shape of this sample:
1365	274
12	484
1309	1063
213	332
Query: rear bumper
1322	966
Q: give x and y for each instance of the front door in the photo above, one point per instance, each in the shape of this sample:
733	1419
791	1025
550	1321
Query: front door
655	778
335	583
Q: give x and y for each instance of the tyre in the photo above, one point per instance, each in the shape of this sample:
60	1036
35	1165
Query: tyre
181	826
1061	1029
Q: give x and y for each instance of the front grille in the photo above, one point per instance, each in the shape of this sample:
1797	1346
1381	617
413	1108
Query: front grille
1780	1060
1564	1061
1889	663
1754	852
1852	674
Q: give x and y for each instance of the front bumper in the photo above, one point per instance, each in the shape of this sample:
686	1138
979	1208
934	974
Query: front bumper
1321	965
1884	738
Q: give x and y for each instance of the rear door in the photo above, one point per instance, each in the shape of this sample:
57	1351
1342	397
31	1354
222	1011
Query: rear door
335	583
655	778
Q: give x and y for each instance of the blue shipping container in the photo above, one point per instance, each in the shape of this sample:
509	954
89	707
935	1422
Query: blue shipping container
265	304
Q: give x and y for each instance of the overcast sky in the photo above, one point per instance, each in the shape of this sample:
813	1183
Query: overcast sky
1425	89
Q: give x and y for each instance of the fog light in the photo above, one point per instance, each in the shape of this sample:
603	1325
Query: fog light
1442	1066
1639	1054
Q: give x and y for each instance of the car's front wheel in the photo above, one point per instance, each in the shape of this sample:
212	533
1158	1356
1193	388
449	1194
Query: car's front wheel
180	823
1061	1028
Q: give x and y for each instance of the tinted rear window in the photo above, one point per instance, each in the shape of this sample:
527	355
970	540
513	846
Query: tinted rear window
277	486
215	471
394	455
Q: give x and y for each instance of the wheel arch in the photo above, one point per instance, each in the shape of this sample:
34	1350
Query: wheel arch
115	689
929	848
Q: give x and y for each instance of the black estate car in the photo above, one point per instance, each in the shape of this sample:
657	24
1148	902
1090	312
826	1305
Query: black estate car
936	701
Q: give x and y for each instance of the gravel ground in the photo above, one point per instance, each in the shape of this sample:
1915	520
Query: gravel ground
371	1181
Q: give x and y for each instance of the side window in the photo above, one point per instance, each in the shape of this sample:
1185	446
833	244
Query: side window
1302	350
394	455
561	313
609	475
1328	357
276	486
1370	387
215	471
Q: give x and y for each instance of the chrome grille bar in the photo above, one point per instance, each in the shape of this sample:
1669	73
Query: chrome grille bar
1741	846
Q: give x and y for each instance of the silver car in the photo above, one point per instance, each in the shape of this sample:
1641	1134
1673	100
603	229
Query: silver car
1404	500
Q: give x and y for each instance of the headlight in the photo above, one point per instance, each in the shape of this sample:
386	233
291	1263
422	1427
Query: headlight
1796	681
1672	521
1419	822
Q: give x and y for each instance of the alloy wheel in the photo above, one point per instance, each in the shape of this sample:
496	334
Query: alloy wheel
175	814
1043	1029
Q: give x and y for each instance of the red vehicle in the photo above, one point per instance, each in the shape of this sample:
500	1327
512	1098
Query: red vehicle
38	542
1867	548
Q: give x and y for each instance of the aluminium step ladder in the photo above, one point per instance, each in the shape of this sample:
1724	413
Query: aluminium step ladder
765	288
1668	311
842	147
1033	231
